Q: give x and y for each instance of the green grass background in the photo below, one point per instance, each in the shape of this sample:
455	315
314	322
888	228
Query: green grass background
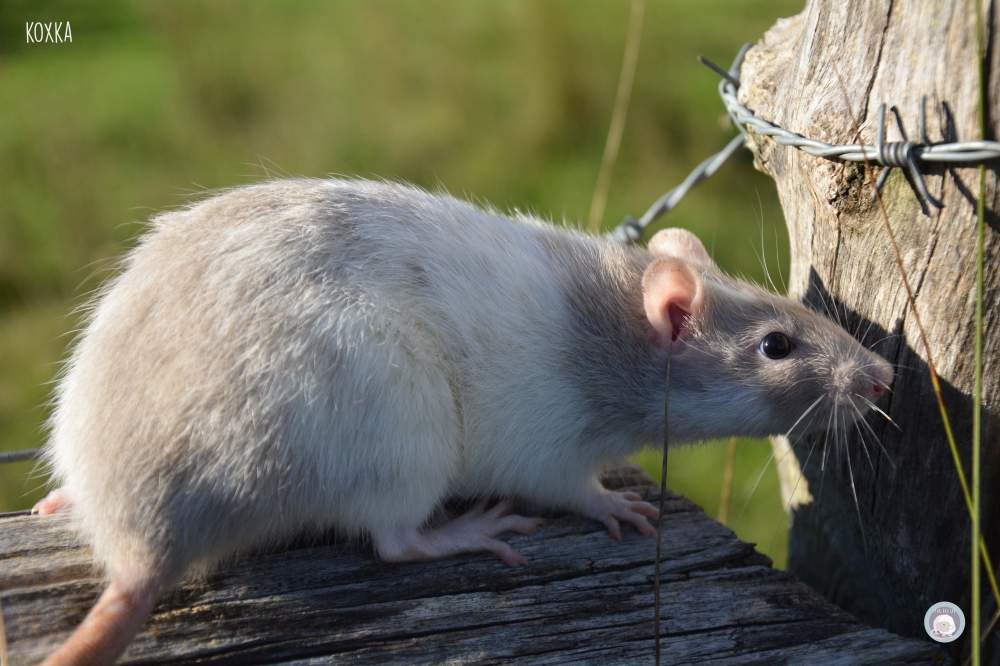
155	102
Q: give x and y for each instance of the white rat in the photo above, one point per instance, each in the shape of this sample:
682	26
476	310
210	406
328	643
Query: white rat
304	354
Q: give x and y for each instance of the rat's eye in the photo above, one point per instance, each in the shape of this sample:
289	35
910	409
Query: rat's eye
776	345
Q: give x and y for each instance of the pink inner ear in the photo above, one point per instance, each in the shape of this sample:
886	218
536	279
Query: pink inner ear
671	296
678	320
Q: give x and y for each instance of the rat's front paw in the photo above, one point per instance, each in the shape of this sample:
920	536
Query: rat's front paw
610	507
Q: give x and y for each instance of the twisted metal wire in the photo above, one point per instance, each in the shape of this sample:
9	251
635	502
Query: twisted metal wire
18	456
907	155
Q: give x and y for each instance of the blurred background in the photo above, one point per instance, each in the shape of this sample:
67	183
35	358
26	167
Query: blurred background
154	103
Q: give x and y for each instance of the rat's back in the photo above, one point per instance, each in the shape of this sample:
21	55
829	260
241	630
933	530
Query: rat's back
306	354
243	377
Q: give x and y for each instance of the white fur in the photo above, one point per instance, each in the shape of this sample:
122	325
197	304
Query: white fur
264	363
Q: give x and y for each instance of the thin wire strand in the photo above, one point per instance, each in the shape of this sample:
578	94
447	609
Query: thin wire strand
18	456
659	517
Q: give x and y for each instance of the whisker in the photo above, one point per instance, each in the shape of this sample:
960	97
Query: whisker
838	447
809	423
763	262
861	417
822	470
804	414
854	492
826	305
822	300
877	439
762	257
867	364
883	339
831	308
875	408
857	326
826	453
864	447
770	458
868	329
760	477
847	315
826	436
777	259
802	473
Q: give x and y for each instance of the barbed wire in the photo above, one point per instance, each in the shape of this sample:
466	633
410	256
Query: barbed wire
18	456
907	155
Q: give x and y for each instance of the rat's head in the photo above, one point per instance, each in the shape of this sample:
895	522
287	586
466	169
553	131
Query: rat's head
752	362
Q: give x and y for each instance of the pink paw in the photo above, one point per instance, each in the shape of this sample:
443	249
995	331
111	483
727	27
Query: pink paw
611	507
474	531
54	501
478	528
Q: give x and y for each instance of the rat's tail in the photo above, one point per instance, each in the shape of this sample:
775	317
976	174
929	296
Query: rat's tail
109	626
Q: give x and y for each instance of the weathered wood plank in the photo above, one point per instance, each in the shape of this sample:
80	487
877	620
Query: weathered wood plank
583	598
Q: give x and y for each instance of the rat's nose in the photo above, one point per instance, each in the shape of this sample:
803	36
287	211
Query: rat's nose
870	388
868	380
879	377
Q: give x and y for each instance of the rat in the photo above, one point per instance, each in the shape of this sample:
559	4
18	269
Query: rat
313	354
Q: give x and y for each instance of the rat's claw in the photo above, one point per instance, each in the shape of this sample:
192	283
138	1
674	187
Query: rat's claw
503	550
612	508
519	524
639	520
614	529
474	531
644	508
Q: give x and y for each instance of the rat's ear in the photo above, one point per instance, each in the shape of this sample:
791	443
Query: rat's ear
671	294
679	243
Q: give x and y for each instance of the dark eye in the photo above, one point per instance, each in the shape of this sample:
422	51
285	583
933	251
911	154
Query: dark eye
776	345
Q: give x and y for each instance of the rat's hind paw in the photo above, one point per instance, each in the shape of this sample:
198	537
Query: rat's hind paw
54	501
610	507
473	531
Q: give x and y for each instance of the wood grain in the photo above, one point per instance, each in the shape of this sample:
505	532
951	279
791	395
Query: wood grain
905	544
582	598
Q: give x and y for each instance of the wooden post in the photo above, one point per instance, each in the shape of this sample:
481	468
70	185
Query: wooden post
905	543
583	598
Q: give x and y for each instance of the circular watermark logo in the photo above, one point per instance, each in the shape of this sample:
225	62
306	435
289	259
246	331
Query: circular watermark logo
944	622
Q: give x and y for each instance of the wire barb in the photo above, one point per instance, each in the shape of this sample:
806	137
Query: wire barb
908	156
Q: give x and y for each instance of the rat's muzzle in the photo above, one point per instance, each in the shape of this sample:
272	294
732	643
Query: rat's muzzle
861	380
